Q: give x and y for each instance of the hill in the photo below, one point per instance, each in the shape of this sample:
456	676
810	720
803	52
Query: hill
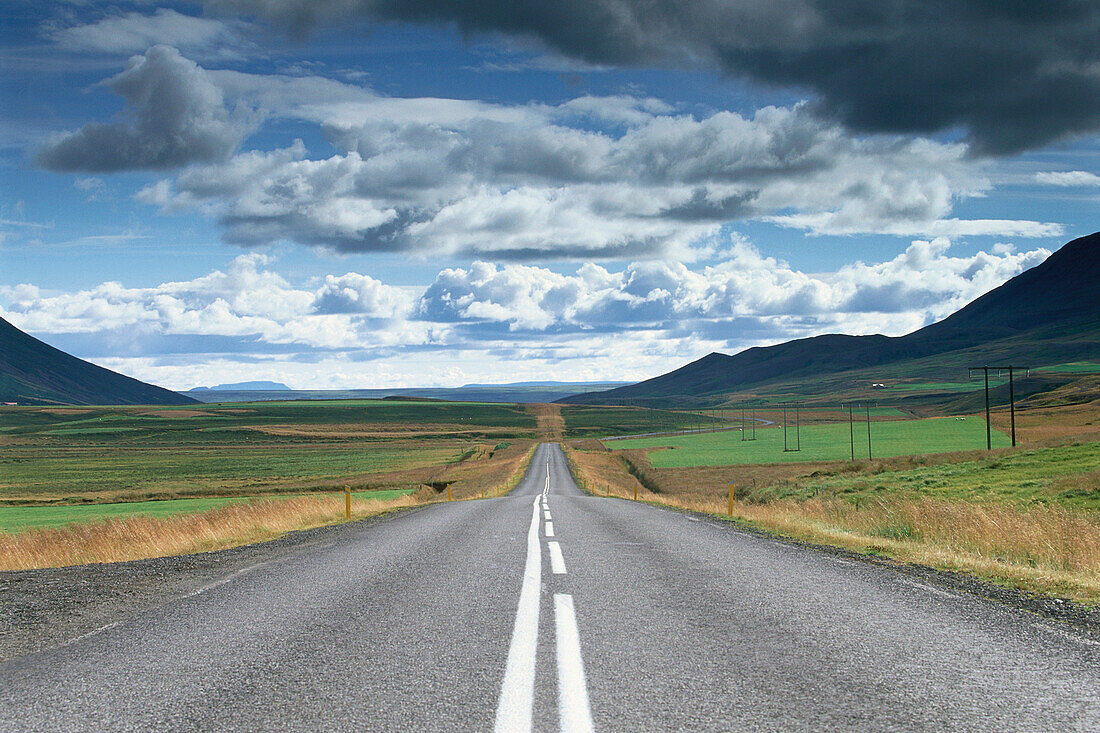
260	386
34	373
1046	315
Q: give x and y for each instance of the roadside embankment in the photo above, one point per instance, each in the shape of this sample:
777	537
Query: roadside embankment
1040	546
486	472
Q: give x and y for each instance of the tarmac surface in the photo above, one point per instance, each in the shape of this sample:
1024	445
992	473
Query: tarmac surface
543	610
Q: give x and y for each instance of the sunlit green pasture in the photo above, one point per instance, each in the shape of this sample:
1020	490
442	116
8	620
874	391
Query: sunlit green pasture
75	455
815	442
1067	475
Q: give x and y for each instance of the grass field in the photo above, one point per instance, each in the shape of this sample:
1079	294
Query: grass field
830	442
81	455
968	386
1074	367
1067	476
583	421
1027	517
103	484
20	518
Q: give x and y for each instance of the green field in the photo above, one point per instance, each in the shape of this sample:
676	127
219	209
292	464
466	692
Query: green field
829	442
120	454
1062	475
968	386
1075	367
17	518
582	421
80	470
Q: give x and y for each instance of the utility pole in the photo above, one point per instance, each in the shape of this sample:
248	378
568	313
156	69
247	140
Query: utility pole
852	430
1012	405
784	427
868	406
797	433
1011	399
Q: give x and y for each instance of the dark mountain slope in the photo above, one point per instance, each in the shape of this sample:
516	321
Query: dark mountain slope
33	372
1053	300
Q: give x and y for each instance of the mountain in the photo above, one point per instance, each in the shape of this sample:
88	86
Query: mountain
1050	313
579	386
35	373
259	386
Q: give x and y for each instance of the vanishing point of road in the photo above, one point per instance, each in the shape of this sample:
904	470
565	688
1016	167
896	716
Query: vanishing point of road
552	610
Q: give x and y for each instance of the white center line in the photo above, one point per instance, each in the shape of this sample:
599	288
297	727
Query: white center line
573	711
518	689
557	562
549	529
546	514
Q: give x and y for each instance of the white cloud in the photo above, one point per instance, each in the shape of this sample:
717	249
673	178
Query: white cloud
1068	178
353	330
615	177
921	284
134	33
842	223
179	117
618	177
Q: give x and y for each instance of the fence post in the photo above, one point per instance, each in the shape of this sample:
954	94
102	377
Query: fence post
731	500
347	502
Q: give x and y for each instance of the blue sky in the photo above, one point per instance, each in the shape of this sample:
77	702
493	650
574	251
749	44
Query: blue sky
372	194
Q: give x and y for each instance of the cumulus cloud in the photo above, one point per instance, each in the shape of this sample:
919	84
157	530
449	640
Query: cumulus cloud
131	33
616	178
178	117
491	316
1068	178
1014	76
922	284
247	301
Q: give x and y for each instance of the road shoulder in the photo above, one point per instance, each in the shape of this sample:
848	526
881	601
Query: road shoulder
48	607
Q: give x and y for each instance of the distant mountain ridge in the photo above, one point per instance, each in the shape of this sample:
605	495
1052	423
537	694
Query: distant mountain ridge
34	373
257	386
1060	296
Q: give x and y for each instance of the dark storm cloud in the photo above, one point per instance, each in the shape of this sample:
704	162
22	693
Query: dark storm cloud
179	117
1015	74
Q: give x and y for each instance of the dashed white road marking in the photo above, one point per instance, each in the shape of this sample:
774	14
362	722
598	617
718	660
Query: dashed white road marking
574	714
518	689
557	562
546	515
549	529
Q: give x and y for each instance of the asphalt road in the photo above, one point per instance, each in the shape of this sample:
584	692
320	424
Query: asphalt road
552	610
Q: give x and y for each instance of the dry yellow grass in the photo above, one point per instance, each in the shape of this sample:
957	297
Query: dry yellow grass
1045	549
1037	548
489	473
603	473
135	538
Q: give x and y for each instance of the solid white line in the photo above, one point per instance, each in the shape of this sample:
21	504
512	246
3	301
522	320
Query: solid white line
557	562
518	689
573	711
549	529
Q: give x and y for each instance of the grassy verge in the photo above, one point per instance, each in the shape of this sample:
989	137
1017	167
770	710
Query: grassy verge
138	537
1022	518
23	518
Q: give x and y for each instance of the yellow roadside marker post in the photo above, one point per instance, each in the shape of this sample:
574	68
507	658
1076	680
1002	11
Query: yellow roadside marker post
448	492
608	492
347	502
635	491
731	499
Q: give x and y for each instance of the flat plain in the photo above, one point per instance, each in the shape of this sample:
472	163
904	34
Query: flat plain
73	464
